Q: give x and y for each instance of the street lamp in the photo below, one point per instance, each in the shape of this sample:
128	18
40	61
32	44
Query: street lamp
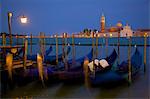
23	19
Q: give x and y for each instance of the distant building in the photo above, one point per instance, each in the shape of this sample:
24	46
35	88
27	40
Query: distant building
141	32
126	32
109	31
102	24
113	31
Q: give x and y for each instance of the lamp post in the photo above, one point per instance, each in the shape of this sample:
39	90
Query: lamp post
9	26
23	19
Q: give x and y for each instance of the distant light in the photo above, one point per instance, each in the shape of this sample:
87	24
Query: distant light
145	35
110	34
55	35
65	34
23	19
104	35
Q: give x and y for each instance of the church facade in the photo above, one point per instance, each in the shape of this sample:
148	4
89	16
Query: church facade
114	31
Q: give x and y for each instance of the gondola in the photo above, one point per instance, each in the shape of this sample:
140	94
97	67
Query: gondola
52	59
75	73
53	71
72	66
110	59
33	57
31	73
61	66
49	59
77	64
136	62
120	74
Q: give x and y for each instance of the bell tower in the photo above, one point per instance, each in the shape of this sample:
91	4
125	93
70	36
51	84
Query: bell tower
102	23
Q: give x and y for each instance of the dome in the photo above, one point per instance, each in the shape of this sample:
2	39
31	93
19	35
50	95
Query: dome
113	29
119	24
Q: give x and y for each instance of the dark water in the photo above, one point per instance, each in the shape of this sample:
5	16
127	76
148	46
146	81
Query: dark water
114	40
138	89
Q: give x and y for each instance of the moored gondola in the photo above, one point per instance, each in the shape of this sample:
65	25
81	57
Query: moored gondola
51	59
61	66
78	63
110	60
52	71
34	56
76	73
120	74
75	70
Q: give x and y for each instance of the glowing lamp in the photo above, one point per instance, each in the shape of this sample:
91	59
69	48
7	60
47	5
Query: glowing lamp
9	14
23	19
145	35
110	34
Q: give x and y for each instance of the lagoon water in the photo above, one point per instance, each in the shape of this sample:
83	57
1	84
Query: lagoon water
138	89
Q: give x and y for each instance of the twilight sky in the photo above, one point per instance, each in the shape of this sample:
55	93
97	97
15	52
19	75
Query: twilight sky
58	16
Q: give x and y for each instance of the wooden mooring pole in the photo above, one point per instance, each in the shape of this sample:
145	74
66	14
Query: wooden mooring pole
96	45
86	73
40	68
17	39
118	44
24	38
93	45
42	44
3	39
64	50
129	62
9	64
93	58
106	45
25	53
73	49
56	38
145	45
66	56
31	44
